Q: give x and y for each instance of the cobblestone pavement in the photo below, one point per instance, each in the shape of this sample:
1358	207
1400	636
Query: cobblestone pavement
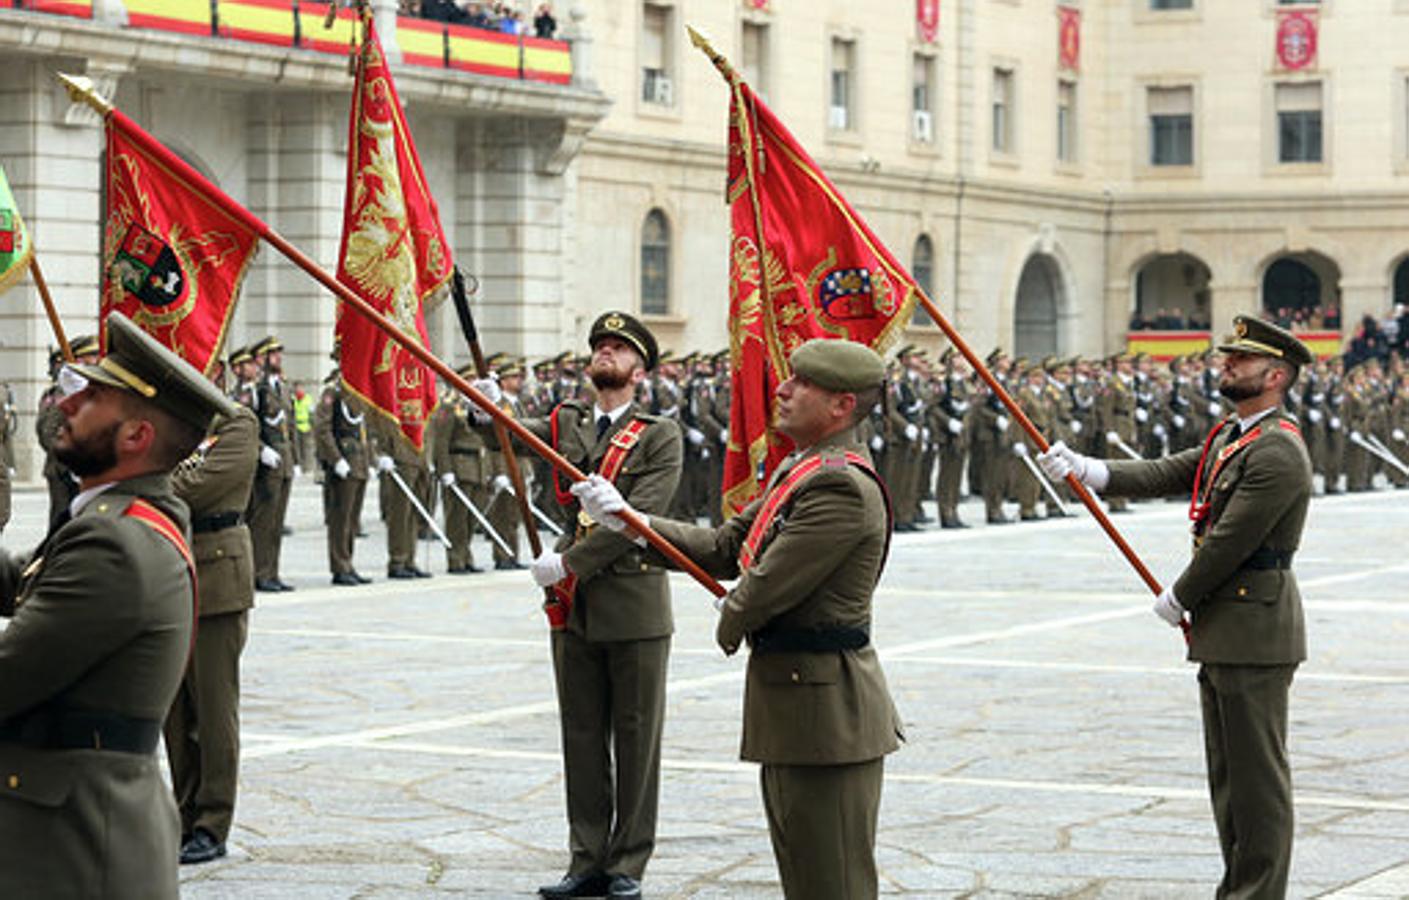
401	738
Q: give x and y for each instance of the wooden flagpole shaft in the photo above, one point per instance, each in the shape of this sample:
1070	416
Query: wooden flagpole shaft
1021	418
80	90
49	309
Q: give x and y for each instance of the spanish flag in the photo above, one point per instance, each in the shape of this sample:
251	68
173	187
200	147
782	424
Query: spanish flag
16	249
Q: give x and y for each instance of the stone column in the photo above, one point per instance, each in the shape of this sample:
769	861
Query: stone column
384	17
1229	300
580	40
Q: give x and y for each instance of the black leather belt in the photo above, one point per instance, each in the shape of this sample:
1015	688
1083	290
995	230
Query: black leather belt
73	729
217	522
1263	558
808	640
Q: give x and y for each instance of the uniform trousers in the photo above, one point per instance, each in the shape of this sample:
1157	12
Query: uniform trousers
1249	779
459	526
402	521
269	505
611	705
202	730
822	820
947	482
344	498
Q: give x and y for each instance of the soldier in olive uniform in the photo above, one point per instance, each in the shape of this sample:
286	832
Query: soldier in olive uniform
611	652
102	618
502	508
1254	486
397	456
1356	412
1032	400
715	424
462	461
340	446
202	729
947	418
273	482
817	712
1116	416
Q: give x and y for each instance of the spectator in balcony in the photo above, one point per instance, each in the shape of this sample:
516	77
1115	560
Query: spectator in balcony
544	25
1137	321
442	11
1333	317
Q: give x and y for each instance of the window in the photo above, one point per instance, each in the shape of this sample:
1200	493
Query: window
840	115
922	269
1171	4
1299	122
1002	110
1066	121
922	100
656	85
655	264
755	56
1171	126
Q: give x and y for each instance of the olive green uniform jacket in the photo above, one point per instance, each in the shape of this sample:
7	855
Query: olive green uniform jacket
817	568
102	619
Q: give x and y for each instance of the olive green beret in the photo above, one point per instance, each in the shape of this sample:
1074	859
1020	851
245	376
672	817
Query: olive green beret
838	365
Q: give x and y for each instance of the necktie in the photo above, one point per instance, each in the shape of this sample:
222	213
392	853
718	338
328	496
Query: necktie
604	422
1235	432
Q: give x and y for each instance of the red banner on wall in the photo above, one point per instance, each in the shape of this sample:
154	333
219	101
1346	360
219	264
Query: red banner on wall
1069	38
927	18
1296	39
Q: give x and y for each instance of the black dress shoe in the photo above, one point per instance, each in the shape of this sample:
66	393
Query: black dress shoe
361	579
419	573
284	585
593	884
624	887
347	579
400	573
464	570
501	565
268	585
999	520
202	847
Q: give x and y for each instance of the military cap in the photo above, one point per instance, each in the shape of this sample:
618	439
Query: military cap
544	365
721	356
268	345
688	359
1021	362
946	356
495	360
666	356
84	345
992	358
467	371
335	354
1120	356
1253	335
628	328
138	363
511	368
910	350
239	355
561	358
838	365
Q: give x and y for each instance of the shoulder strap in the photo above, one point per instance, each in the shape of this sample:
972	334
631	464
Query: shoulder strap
158	521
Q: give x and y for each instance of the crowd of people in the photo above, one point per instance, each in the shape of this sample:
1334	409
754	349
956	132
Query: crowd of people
492	16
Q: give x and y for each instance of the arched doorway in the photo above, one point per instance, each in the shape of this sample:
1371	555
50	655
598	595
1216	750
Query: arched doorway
1172	294
1401	282
1040	296
1302	290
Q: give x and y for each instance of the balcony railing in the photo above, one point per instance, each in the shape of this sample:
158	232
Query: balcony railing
299	24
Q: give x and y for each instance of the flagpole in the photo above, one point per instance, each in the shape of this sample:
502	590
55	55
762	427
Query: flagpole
80	89
49	310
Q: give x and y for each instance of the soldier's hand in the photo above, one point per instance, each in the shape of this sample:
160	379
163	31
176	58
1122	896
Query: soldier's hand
1215	410
878	443
1001	423
1167	607
1142	414
1075	426
269	457
912	431
1313	416
1112	437
724	436
447	479
385	463
548	569
1398	434
1178	421
502	484
695	436
602	501
1019	449
727	637
341	468
955	426
1060	461
489	387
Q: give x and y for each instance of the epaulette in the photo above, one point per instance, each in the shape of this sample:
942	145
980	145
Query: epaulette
652	418
833	458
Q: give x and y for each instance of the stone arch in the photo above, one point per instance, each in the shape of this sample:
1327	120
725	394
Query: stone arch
1039	299
1299	288
1399	280
1171	291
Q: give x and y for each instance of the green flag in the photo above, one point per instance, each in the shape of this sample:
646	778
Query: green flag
15	246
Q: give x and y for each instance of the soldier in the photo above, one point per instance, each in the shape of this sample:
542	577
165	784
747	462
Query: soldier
340	445
396	454
817	713
714	417
989	442
269	501
1356	413
502	509
610	656
202	728
1253	483
63	485
1032	400
947	418
909	432
1335	427
1116	415
461	462
102	618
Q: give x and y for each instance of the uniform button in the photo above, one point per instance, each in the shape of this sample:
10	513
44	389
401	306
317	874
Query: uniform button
796	678
219	552
14	781
102	507
1242	592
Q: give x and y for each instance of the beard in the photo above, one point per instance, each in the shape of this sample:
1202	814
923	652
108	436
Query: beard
608	379
90	456
1238	391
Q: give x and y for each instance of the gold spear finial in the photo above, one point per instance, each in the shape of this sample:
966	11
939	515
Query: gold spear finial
80	90
715	57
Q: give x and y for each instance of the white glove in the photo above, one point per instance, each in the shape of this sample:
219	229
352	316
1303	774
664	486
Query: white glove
547	568
878	443
955	426
724	436
1142	414
1313	416
1397	434
1060	461
447	479
925	435
1167	607
269	457
602	501
502	484
298	470
1158	430
1020	449
912	431
341	468
695	435
1335	423
1215	410
1356	436
489	387
1001	423
1179	421
385	463
1075	426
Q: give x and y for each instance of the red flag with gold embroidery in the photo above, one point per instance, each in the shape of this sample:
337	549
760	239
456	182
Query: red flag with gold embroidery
802	265
394	254
173	258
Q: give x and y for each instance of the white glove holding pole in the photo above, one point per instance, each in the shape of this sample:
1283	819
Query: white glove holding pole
1313	416
1142	414
385	463
878	443
912	431
502	484
1215	410
1020	449
603	502
341	468
695	435
724	436
1075	426
269	457
489	387
548	569
1167	607
955	426
1001	423
1397	434
1060	461
447	478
